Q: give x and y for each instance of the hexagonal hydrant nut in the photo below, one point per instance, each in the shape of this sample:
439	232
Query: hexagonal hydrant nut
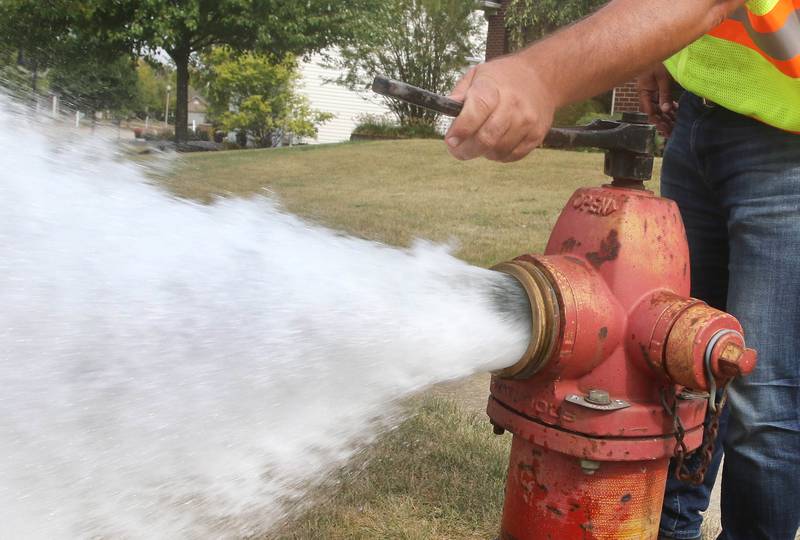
735	361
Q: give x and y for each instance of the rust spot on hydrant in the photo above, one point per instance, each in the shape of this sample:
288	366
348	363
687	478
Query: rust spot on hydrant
609	250
569	245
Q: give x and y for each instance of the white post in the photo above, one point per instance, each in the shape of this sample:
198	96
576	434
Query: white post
166	107
147	122
194	126
613	100
55	106
77	119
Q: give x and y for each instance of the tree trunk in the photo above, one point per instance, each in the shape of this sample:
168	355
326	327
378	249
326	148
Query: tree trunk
181	59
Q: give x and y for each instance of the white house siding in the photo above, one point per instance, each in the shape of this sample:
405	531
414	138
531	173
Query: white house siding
345	104
348	105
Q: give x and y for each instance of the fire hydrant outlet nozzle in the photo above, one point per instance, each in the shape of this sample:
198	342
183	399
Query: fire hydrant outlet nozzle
544	318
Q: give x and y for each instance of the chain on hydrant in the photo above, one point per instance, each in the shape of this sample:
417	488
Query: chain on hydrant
706	449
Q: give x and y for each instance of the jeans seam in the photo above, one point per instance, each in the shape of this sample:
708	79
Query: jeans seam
673	531
696	125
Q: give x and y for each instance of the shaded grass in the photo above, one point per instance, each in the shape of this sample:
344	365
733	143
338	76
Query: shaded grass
439	475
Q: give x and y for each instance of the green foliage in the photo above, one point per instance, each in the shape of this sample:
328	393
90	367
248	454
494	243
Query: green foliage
571	115
379	126
90	81
262	93
15	78
531	20
56	34
181	29
274	26
423	42
151	89
588	118
34	31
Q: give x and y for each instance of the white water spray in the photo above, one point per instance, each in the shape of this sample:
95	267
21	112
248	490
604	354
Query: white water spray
176	370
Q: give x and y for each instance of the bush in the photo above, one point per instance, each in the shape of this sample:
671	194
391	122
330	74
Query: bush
167	134
572	114
241	138
371	125
588	118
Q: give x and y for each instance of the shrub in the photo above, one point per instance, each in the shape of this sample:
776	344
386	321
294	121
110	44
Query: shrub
241	138
167	134
371	125
588	118
571	114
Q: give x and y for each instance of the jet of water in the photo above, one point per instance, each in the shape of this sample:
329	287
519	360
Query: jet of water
171	369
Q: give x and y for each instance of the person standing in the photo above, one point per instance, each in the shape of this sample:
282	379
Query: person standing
732	164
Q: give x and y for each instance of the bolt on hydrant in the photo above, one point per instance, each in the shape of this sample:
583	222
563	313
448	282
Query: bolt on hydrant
623	367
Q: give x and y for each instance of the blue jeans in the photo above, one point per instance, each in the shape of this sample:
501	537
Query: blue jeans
737	183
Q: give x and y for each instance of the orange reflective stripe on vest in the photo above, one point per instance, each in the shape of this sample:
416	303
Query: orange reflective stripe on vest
774	35
749	64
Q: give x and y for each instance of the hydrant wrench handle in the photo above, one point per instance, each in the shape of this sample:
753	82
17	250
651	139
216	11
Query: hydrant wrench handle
606	134
416	96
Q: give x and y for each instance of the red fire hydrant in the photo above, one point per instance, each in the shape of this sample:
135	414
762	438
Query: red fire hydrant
618	373
622	364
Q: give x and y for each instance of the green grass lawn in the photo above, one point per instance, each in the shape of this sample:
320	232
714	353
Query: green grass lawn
400	190
440	474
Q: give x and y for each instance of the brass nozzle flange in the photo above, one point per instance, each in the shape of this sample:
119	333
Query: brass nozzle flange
545	318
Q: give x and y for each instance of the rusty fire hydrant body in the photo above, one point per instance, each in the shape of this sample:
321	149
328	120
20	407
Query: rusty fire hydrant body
591	437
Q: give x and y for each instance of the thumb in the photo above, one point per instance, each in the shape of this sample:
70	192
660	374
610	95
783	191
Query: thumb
665	93
459	92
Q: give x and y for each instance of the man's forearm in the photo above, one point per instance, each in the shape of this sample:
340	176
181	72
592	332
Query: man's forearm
618	42
509	103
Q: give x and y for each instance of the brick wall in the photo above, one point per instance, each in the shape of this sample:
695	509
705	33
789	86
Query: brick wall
626	99
496	37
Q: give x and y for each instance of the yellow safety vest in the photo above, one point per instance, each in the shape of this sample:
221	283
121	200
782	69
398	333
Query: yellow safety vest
749	64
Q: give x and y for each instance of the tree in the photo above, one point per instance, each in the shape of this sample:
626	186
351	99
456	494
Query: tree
423	42
34	31
152	80
531	20
90	82
185	28
257	94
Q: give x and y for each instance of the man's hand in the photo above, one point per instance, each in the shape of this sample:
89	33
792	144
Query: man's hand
655	98
507	112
